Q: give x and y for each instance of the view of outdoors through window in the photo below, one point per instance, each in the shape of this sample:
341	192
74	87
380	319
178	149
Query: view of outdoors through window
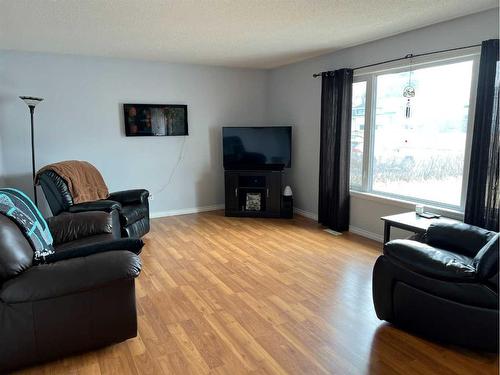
357	132
421	156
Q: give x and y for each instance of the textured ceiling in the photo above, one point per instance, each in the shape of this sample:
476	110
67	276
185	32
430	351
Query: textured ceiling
241	33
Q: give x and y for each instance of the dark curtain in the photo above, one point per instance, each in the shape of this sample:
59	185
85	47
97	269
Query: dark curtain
481	207
336	107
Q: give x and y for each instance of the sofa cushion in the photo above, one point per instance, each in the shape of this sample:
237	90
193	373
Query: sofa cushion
431	261
67	226
461	238
131	213
56	188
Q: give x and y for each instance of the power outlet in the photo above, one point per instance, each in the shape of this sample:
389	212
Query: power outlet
151	197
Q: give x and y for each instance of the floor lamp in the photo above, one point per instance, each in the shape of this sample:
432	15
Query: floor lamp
32	102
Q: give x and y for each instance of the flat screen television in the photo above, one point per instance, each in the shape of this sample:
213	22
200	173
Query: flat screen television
249	147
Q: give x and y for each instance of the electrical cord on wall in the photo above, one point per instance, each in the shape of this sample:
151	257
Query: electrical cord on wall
174	169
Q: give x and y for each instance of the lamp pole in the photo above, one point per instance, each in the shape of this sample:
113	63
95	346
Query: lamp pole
32	112
32	102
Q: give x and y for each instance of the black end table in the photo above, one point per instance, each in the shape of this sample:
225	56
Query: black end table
410	221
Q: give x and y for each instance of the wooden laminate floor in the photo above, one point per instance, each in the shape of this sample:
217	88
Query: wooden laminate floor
224	295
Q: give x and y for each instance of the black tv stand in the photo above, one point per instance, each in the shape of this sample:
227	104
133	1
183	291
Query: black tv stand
253	193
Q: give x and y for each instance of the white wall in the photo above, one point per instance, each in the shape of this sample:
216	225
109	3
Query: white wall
81	118
295	98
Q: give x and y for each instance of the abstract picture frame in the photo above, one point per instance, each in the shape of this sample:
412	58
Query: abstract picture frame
155	119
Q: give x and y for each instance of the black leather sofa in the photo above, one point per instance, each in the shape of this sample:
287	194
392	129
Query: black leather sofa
82	301
132	205
445	288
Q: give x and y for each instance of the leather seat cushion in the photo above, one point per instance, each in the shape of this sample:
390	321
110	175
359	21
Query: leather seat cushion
131	213
431	261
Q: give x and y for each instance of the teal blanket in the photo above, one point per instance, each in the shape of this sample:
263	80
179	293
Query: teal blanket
18	207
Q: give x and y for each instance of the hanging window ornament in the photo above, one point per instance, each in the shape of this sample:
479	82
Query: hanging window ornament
409	91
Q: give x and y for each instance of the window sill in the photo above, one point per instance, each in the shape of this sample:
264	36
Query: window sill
409	205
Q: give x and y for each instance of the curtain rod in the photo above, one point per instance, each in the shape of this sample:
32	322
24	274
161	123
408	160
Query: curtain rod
409	56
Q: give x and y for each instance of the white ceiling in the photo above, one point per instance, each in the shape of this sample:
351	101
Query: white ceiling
240	33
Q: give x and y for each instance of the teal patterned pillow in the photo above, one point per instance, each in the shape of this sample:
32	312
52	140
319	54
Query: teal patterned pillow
18	207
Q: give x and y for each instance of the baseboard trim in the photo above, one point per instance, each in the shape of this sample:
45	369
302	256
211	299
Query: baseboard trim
186	211
299	211
352	229
308	214
367	234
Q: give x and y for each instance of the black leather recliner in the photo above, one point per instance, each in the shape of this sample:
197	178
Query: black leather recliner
82	301
132	205
445	289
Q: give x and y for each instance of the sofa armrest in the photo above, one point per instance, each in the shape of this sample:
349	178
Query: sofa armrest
133	245
100	205
130	196
486	261
459	237
70	276
67	227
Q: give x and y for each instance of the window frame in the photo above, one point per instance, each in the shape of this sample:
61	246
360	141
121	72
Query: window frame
369	75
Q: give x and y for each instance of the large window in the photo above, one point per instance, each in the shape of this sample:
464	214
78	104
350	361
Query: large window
422	157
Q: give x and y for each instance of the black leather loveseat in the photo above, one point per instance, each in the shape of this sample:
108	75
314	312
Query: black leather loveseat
132	205
445	289
84	300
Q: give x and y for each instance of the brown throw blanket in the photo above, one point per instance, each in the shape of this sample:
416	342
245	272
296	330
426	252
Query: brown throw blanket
83	179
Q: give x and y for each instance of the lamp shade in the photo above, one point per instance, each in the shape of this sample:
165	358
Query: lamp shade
30	100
